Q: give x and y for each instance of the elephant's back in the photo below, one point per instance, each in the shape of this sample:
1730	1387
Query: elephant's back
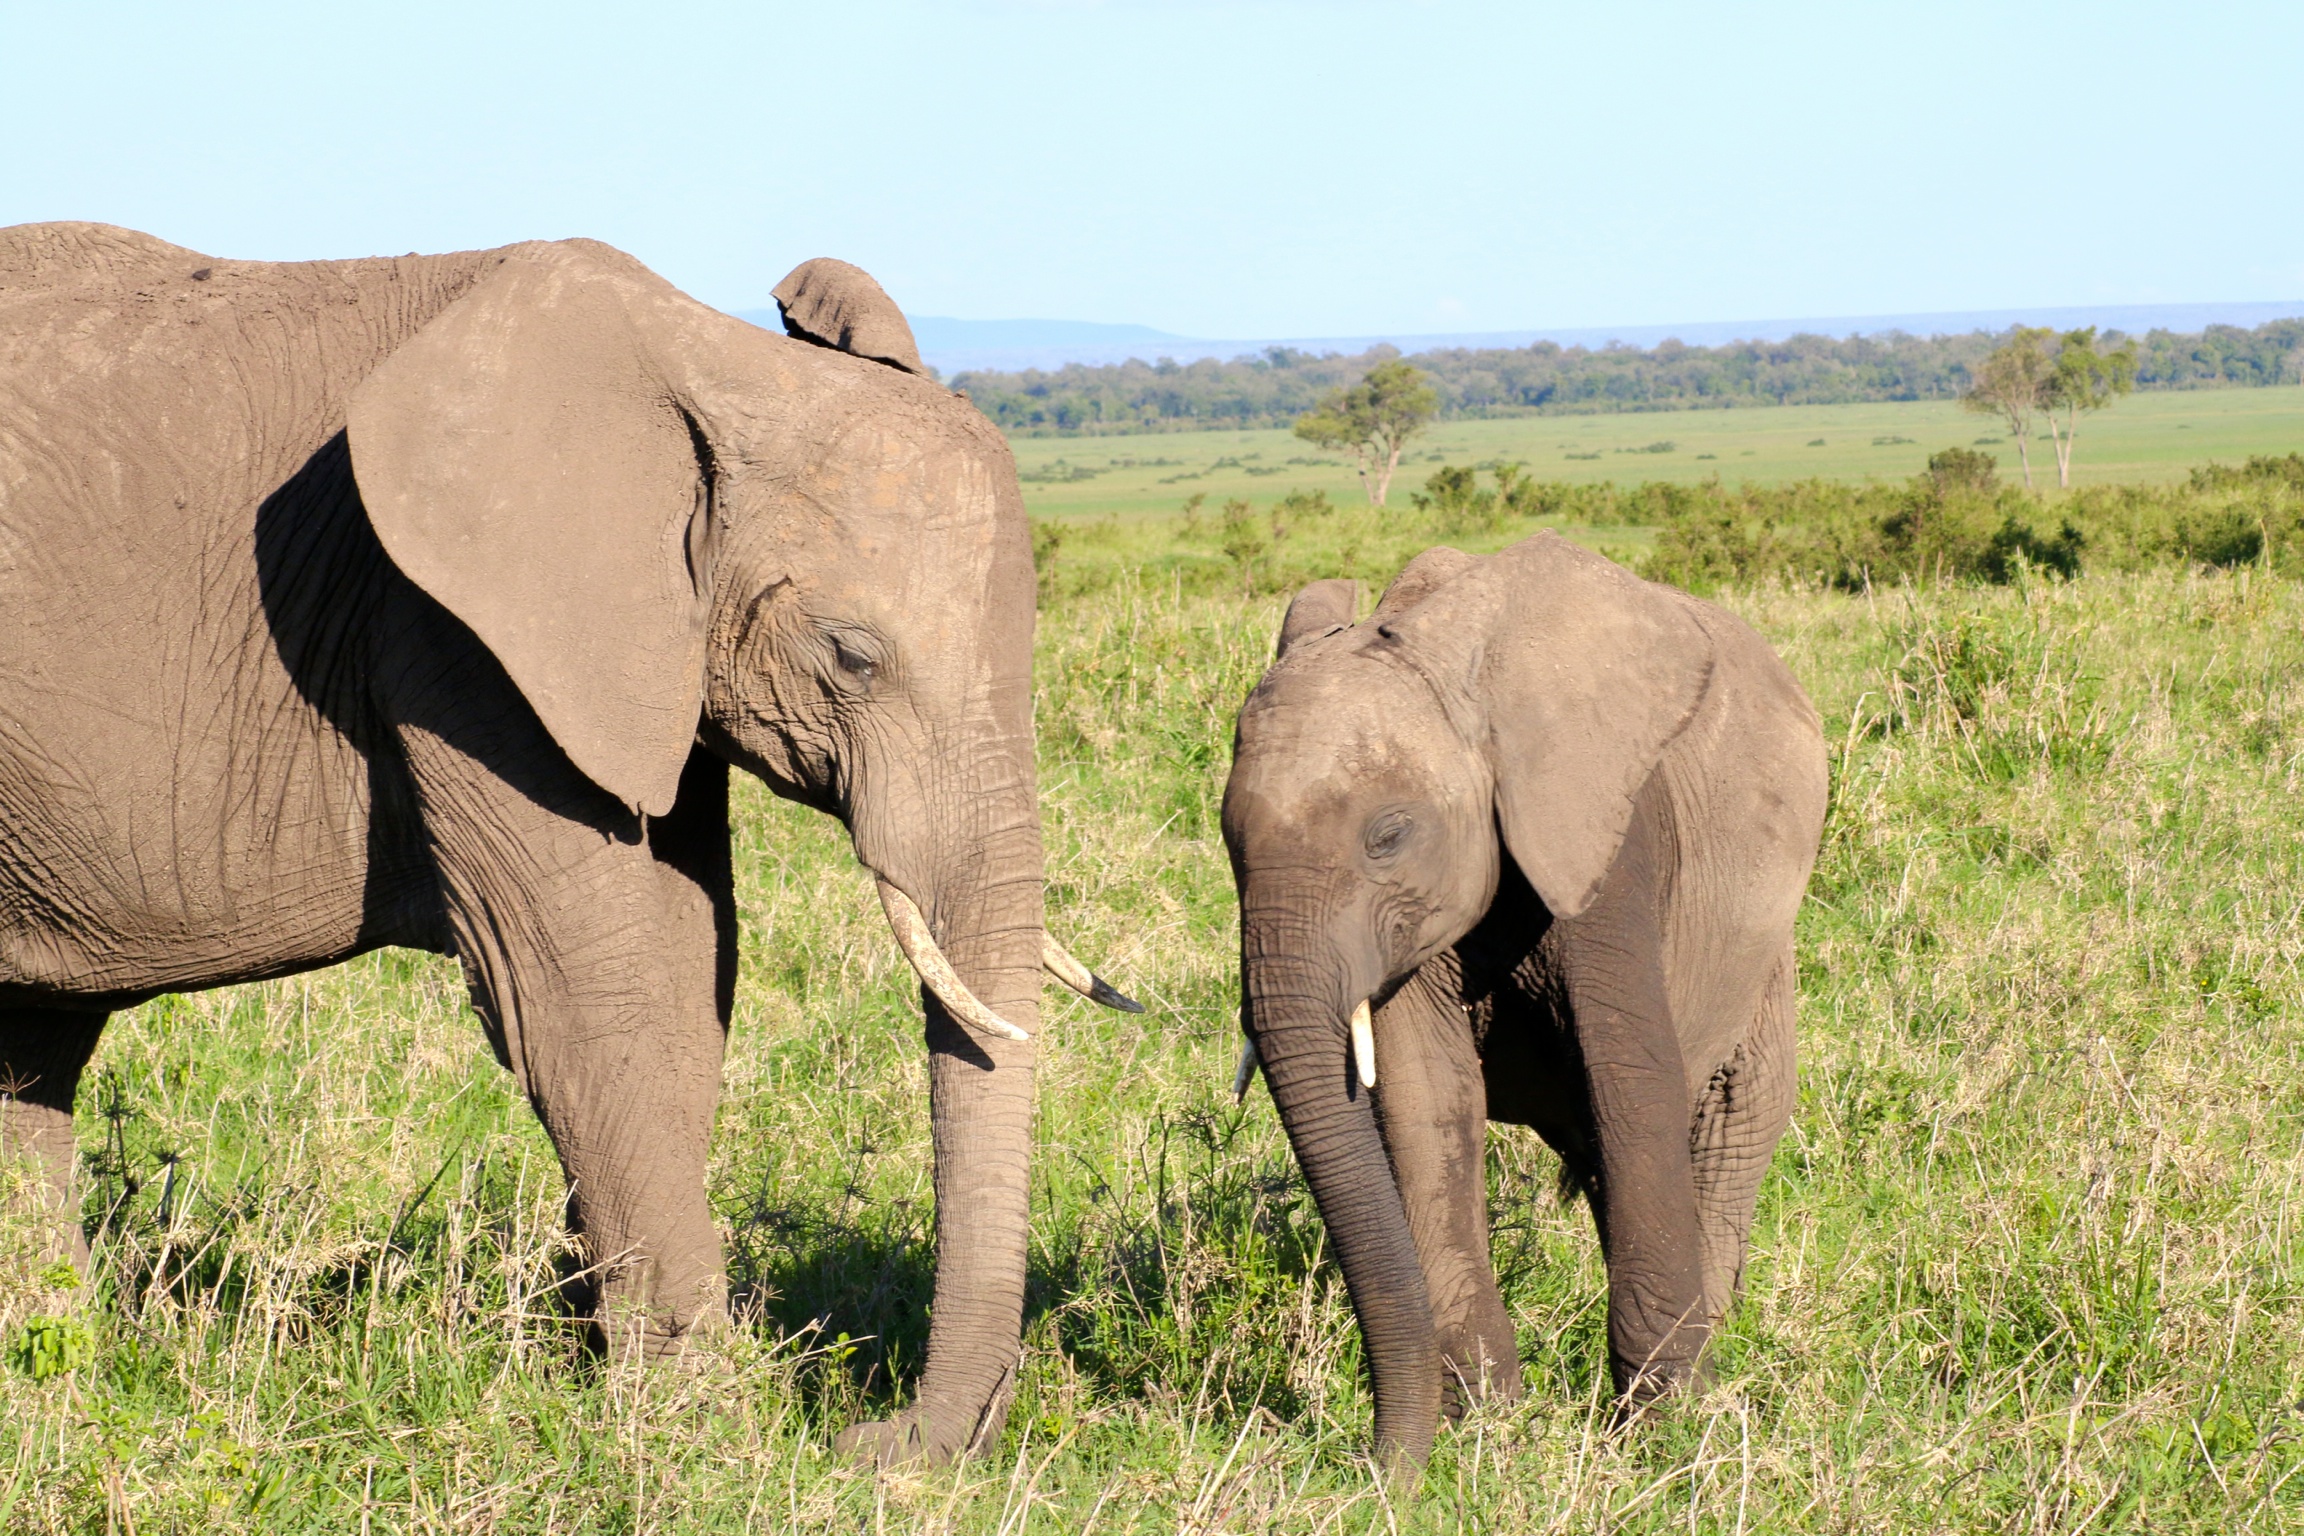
42	258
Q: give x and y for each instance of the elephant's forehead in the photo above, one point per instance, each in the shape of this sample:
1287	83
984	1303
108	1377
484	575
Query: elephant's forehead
1336	735
917	524
917	483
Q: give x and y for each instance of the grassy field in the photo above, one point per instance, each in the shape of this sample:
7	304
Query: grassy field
2150	438
2030	1258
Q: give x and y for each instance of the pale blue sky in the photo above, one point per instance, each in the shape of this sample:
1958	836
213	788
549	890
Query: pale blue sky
1249	169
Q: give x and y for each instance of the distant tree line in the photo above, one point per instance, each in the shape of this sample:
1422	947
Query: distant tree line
1275	387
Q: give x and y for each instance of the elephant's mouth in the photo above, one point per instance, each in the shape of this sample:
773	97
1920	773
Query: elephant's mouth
927	960
1363	1053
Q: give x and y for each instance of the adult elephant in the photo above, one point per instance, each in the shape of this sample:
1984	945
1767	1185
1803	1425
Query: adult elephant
426	601
1533	837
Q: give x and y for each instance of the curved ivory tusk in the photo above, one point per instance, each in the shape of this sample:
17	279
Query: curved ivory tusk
1364	1044
1058	962
936	972
1247	1073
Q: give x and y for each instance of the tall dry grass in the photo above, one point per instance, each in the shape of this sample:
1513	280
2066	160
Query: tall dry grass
2027	1261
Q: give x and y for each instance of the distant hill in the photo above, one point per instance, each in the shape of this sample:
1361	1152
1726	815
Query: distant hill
1014	346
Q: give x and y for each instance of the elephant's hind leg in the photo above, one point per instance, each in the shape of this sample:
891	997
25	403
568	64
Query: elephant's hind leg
42	1054
1739	1116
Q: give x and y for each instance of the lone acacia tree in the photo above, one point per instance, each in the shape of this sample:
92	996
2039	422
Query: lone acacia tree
2012	383
1373	420
2083	380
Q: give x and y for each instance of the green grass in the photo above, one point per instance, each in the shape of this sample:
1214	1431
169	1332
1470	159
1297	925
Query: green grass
2029	1259
2149	438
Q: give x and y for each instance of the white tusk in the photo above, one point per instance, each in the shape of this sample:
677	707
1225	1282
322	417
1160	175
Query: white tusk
1364	1044
1058	962
1247	1073
935	971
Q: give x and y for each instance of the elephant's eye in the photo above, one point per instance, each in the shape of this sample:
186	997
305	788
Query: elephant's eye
853	658
1387	833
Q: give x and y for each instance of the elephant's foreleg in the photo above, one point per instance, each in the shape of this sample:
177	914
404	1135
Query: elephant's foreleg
1613	963
1431	1103
596	947
1738	1120
42	1054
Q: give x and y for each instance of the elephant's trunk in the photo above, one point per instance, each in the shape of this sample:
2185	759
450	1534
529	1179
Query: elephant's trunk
972	858
935	971
1298	1023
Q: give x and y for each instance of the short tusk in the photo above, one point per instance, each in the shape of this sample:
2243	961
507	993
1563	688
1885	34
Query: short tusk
1247	1072
1059	963
1364	1044
935	971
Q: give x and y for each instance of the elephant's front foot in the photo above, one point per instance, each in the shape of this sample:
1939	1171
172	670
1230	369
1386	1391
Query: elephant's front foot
1641	1383
633	1323
1475	1376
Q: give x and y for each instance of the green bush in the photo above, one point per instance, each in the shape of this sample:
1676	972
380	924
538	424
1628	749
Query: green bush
51	1346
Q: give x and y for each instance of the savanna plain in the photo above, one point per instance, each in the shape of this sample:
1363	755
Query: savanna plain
2029	1259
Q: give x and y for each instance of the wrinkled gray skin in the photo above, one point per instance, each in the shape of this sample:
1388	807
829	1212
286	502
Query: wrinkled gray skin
1556	822
426	601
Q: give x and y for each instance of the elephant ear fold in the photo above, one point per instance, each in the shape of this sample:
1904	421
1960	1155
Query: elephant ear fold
1584	674
1321	608
1419	579
837	305
524	461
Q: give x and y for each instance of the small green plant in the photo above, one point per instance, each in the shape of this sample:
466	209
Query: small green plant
51	1346
1244	543
1047	545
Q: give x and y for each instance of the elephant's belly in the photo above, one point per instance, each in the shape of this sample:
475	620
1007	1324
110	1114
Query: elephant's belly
1535	1076
132	868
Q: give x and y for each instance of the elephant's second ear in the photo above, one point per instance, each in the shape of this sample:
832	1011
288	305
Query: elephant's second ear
523	461
1321	607
837	305
1419	579
1584	674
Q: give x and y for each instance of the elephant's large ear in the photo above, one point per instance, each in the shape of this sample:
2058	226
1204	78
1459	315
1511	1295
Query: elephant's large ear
1321	608
1580	675
525	462
1419	579
835	304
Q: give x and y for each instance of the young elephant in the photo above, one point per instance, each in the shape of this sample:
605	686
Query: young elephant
1531	837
